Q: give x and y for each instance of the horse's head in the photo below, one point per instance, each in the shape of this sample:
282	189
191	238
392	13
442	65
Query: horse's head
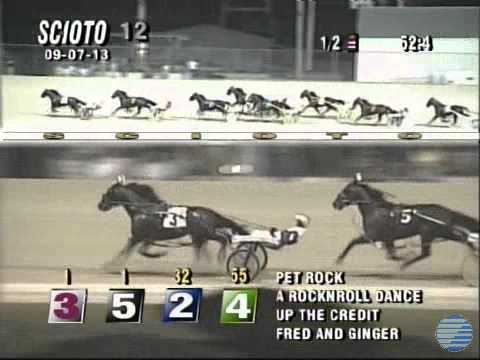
195	96
231	90
431	101
356	192
305	94
122	194
118	93
115	195
49	93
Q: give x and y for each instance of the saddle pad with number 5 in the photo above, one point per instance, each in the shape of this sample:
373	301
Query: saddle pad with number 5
175	217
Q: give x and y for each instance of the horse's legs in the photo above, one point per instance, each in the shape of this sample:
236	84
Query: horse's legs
303	110
391	254
426	251
143	250
116	110
139	108
455	117
379	120
224	240
435	117
121	258
330	108
357	241
198	245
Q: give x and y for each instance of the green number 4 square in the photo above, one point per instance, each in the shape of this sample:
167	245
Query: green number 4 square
239	306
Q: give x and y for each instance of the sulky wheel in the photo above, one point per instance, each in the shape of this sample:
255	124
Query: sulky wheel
86	114
244	258
470	269
260	252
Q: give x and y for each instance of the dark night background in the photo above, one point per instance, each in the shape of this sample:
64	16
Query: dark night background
21	17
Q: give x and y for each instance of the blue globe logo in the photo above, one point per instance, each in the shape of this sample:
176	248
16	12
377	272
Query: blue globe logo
454	333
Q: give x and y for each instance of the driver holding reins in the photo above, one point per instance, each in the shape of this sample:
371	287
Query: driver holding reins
276	238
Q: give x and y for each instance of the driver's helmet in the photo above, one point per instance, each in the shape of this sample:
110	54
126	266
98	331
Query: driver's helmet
302	220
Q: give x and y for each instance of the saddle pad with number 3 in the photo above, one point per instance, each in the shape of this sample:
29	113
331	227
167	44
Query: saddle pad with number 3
175	217
64	100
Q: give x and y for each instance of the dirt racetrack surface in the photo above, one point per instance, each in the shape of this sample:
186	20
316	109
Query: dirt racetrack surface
53	224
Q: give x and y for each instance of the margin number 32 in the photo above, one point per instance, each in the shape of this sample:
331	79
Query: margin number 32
183	276
138	31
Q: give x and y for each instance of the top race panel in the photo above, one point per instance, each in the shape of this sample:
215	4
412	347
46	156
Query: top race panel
296	68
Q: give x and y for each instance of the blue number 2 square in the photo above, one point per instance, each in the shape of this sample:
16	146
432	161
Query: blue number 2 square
182	304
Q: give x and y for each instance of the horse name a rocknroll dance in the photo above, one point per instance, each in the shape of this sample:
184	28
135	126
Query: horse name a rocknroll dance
57	100
129	102
385	222
153	220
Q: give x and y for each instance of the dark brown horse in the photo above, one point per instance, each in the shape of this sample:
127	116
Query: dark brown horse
152	222
385	222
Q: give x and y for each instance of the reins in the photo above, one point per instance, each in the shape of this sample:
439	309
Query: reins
143	204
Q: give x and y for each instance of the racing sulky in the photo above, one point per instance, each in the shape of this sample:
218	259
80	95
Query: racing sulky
250	251
158	112
154	221
86	111
368	109
444	112
57	100
129	102
205	104
384	222
316	102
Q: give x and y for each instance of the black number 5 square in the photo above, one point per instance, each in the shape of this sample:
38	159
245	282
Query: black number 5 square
125	305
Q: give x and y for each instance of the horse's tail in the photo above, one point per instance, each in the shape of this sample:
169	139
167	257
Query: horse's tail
334	101
236	228
461	109
150	102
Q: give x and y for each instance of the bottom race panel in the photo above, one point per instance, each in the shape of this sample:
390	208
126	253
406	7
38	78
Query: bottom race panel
280	237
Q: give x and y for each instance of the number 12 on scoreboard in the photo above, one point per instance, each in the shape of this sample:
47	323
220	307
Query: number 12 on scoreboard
239	306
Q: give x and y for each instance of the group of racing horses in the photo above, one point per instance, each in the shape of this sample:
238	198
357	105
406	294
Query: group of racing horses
260	106
384	222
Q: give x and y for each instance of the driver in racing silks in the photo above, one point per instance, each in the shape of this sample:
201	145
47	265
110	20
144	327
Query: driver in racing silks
275	238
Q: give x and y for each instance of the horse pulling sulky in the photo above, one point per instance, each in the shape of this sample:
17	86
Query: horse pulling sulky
154	221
